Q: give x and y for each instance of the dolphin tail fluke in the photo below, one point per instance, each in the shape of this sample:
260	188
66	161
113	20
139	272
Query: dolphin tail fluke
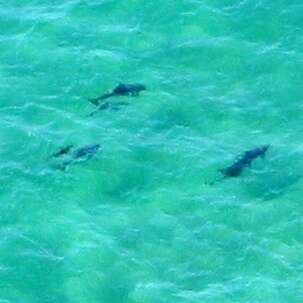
63	151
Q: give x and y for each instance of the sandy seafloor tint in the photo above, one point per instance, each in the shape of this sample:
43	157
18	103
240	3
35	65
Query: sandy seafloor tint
138	223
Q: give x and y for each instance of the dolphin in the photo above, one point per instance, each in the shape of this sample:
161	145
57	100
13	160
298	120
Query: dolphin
245	160
120	90
86	151
82	153
110	106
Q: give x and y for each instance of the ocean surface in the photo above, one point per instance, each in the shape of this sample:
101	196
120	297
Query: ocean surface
140	221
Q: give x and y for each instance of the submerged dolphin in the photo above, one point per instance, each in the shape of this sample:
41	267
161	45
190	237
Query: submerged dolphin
121	90
243	162
82	153
109	106
86	151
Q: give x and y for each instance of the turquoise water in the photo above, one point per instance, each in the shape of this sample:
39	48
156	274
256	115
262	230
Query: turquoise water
138	222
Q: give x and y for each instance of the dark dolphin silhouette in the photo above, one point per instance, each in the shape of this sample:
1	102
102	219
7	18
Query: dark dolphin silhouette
120	90
82	153
237	168
245	160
